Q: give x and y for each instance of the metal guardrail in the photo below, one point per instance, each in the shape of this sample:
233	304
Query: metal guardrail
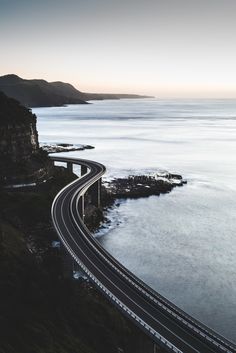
201	330
153	333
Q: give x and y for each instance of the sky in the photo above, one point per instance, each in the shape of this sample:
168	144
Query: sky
166	48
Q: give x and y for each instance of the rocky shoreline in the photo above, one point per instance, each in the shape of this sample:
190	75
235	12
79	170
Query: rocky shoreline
135	186
63	147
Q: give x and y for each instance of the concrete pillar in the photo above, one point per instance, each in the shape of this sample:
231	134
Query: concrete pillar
95	192
70	167
83	169
157	349
81	206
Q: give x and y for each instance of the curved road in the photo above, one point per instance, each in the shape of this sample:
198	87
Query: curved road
165	323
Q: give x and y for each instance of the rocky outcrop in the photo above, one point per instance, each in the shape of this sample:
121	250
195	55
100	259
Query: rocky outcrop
136	186
21	159
64	147
19	140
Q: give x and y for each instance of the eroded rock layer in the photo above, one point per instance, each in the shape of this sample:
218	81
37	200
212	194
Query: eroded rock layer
21	159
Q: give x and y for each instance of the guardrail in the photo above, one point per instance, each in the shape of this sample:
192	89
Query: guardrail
198	329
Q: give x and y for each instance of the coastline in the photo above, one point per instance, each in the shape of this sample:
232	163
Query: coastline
177	136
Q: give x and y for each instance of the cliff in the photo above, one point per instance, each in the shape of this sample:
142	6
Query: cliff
40	93
21	159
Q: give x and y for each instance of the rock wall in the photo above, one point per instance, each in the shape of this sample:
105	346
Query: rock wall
18	141
21	159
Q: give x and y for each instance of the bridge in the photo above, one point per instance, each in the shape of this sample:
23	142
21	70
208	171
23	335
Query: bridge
166	324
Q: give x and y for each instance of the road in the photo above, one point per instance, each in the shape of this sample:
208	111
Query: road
165	323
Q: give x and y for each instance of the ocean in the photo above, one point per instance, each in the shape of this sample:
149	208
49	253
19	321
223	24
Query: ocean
183	244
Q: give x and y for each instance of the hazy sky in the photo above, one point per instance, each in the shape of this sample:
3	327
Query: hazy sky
169	48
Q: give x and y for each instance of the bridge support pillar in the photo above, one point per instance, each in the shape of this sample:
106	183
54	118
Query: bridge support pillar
70	167
95	192
83	170
70	266
156	349
81	207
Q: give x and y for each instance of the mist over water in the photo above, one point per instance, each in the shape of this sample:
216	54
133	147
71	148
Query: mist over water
183	244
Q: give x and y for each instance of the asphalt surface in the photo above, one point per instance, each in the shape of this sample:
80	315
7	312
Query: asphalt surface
165	323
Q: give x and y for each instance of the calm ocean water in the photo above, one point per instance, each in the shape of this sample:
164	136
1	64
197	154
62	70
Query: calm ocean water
183	244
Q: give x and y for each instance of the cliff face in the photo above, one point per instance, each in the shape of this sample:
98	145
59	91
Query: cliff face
21	159
18	141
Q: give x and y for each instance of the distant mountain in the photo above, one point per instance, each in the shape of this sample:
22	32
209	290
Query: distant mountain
40	93
35	93
102	96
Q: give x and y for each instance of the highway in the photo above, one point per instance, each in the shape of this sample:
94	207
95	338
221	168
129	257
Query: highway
166	324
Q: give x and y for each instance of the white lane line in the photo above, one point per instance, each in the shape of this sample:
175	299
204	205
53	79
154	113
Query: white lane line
83	190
